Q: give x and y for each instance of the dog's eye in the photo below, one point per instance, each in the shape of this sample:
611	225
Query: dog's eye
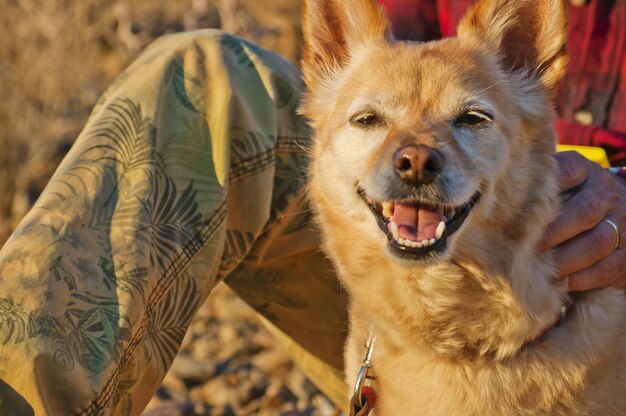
474	119
366	119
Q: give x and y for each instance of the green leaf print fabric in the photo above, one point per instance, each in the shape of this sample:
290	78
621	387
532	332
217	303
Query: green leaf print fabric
190	170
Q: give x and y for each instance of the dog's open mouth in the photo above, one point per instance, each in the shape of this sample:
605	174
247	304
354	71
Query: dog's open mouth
418	230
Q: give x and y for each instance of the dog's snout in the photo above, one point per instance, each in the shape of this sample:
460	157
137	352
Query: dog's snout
417	164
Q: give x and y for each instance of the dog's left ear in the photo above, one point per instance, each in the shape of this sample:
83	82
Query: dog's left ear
529	35
333	29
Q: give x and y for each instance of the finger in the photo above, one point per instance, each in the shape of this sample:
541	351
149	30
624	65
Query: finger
572	171
585	250
607	272
580	213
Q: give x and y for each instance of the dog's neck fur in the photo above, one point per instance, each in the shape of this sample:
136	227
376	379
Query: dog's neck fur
427	310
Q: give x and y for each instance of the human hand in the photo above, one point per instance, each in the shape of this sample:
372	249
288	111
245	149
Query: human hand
586	246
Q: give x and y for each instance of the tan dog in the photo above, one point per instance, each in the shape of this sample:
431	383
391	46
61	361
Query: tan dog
433	179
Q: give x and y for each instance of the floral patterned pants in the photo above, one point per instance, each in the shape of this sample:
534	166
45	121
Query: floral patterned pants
190	170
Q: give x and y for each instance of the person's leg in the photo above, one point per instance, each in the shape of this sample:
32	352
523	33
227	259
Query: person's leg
184	162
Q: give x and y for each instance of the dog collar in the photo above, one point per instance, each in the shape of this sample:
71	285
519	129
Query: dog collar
364	397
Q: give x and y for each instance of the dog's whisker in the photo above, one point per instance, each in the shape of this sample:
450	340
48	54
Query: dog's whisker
292	214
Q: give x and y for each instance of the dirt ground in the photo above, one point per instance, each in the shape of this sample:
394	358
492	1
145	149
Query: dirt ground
56	57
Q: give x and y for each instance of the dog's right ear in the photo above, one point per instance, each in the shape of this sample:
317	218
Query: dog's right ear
333	29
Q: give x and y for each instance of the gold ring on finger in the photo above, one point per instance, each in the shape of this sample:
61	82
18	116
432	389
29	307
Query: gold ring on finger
616	228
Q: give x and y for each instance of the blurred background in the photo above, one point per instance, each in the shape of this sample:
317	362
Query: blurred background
56	58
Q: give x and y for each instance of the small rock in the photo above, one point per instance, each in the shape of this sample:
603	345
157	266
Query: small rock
190	369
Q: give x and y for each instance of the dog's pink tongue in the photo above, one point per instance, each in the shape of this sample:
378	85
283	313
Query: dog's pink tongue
417	222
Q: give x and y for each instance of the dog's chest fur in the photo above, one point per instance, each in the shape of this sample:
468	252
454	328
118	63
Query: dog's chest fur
552	377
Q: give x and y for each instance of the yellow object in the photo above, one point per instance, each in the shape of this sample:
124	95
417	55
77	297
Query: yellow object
595	154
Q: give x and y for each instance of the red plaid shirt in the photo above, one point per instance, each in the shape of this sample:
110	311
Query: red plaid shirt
591	101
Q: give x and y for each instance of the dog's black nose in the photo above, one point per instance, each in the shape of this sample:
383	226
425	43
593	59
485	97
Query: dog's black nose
418	165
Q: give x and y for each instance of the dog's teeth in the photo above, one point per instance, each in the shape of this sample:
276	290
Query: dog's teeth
418	244
440	229
387	209
432	241
400	240
394	230
425	243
